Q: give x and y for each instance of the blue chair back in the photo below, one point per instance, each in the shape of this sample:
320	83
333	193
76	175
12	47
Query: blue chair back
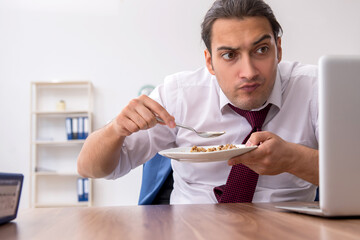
155	173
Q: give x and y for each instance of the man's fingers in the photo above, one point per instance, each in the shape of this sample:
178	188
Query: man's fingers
245	158
140	120
158	110
140	114
257	138
250	158
125	125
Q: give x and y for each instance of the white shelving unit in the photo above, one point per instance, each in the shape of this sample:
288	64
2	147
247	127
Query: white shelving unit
54	177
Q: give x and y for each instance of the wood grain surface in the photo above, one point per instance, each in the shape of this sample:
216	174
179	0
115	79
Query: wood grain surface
207	221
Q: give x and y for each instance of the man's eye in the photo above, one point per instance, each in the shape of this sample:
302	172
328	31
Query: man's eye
262	50
229	56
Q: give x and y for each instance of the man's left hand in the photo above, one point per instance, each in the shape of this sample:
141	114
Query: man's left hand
275	155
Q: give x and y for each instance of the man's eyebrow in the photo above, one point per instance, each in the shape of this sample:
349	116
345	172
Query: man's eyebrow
227	48
266	36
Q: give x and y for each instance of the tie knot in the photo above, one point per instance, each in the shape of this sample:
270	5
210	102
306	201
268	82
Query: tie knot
255	118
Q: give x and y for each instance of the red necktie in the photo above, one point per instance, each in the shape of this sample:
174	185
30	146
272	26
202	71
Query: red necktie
241	183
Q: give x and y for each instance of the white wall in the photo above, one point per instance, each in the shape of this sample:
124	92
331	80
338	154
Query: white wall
121	45
314	28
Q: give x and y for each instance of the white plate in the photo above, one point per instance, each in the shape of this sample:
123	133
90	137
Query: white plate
184	154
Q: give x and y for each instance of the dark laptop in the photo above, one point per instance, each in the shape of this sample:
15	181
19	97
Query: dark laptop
10	191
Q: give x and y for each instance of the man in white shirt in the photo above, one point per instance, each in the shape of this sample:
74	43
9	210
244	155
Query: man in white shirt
243	68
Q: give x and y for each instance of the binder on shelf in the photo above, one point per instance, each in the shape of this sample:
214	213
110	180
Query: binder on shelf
81	128
75	128
83	189
86	189
68	123
80	190
86	127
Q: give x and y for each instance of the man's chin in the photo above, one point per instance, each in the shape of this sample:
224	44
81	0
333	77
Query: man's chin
247	104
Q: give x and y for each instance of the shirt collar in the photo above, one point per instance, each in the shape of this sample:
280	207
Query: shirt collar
274	98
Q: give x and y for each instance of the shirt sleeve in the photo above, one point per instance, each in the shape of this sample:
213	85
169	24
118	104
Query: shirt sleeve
314	109
144	144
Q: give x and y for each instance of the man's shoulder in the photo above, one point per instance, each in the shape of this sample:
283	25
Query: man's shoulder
291	70
200	76
296	74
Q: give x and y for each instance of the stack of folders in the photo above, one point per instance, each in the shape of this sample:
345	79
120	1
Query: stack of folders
83	189
77	127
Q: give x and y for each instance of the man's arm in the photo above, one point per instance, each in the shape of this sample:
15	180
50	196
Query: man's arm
274	156
101	151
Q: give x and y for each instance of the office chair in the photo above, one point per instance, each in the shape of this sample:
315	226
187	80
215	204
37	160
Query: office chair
157	181
317	197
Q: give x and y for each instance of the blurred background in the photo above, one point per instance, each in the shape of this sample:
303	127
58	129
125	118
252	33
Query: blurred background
124	45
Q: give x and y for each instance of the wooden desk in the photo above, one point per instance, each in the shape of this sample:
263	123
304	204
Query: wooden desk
185	222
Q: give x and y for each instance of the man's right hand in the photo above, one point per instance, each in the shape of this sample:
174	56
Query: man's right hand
101	151
140	114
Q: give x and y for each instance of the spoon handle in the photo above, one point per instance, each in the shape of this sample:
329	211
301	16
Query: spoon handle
178	125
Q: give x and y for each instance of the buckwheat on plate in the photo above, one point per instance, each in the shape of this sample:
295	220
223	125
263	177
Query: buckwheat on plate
213	149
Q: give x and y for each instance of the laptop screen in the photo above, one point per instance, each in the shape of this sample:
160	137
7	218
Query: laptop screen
10	191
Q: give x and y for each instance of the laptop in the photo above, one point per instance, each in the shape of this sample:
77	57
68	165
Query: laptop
339	139
10	191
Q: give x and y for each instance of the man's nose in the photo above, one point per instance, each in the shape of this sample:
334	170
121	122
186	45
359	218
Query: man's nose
247	68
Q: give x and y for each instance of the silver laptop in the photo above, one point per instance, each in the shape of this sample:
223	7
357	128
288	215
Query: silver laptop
339	139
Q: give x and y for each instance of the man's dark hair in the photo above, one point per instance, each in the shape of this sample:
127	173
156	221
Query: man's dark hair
237	9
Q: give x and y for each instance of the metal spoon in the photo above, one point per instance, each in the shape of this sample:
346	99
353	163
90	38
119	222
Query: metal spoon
201	134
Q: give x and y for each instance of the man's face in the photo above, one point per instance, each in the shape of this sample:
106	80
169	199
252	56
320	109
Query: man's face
244	60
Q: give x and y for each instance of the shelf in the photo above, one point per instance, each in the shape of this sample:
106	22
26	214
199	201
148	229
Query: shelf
57	84
61	113
53	158
76	96
55	143
56	205
64	174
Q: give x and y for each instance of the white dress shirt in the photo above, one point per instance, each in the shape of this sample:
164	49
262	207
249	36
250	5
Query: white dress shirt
195	99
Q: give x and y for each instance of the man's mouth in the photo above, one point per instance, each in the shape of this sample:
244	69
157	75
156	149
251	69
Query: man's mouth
250	87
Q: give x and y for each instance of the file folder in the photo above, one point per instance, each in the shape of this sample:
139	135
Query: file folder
68	123
75	128
86	189
81	128
80	190
86	127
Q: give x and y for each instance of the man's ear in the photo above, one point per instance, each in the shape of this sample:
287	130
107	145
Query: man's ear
208	61
279	49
